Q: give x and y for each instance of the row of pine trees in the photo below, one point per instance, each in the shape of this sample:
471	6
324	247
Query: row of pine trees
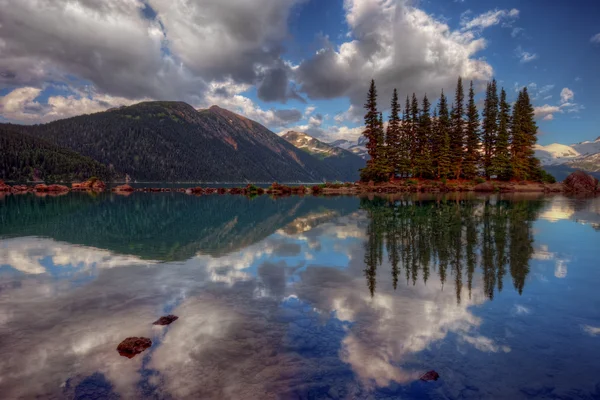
451	142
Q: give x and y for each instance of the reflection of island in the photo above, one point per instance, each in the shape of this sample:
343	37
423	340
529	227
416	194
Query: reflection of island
451	238
169	227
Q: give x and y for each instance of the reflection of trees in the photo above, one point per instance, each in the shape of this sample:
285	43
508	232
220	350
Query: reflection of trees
451	238
165	226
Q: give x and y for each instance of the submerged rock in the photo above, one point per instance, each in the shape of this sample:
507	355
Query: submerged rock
133	346
430	376
579	181
166	320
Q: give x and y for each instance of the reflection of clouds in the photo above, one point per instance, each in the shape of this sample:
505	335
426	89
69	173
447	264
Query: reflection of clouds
28	254
591	330
584	211
390	328
521	310
561	261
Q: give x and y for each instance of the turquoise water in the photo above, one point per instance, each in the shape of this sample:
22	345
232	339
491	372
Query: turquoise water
300	297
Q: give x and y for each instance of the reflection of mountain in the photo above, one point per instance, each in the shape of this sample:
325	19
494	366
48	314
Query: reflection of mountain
159	227
451	238
310	221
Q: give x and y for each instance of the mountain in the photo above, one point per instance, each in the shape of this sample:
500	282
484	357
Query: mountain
172	141
27	158
584	156
337	158
358	147
555	153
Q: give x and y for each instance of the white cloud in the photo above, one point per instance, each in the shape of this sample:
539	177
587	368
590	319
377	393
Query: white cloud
546	111
516	31
20	105
524	56
428	57
490	18
591	330
566	95
595	38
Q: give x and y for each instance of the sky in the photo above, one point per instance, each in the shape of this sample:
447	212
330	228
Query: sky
298	64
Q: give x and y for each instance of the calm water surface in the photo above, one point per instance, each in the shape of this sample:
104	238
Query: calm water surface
308	298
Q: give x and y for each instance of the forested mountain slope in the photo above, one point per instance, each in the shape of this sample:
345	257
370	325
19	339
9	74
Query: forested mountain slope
27	158
171	141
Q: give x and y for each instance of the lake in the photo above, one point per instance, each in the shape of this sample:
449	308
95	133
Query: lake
300	297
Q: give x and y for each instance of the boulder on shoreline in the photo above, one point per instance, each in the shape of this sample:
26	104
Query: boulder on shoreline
133	346
484	187
581	182
123	188
91	184
4	187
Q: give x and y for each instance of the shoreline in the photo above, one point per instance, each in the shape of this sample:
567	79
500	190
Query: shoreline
359	188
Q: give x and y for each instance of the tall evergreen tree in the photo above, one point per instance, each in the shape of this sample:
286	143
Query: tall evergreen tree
443	157
424	140
393	137
371	131
471	160
407	140
414	126
457	131
490	127
501	162
377	168
524	136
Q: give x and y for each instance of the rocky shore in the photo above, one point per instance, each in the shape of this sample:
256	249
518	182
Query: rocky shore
577	182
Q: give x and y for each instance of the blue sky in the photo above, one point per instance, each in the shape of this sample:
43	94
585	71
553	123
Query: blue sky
298	64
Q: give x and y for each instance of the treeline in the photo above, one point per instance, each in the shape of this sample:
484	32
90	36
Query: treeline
451	141
25	158
451	238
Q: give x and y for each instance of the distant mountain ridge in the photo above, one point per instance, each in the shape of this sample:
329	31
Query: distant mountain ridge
336	157
357	147
172	141
584	155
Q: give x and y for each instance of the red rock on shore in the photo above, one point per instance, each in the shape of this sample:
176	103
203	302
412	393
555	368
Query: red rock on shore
4	187
581	182
123	188
91	184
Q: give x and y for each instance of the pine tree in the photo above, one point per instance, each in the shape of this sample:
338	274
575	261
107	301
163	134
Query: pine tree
501	163
471	160
524	136
393	137
371	131
377	168
424	140
443	157
414	125
407	141
490	127
530	136
457	131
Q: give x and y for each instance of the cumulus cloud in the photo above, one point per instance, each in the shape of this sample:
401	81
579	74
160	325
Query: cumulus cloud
566	95
566	104
21	105
146	49
525	56
399	46
490	18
